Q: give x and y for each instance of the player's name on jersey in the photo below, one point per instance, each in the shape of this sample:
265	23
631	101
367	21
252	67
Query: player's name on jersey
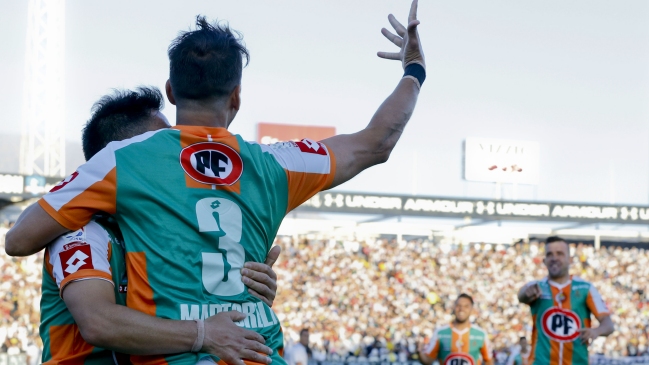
258	315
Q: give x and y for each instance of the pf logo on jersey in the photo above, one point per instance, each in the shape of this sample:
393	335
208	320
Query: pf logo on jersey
561	325
75	259
212	163
459	359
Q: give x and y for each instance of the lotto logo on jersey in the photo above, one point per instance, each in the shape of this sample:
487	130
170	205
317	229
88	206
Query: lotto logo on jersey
459	359
212	163
309	146
75	259
561	324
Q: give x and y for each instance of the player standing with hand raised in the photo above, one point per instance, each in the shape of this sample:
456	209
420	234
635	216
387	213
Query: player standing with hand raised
561	306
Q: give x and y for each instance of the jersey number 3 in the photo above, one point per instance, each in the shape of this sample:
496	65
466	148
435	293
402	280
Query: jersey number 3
222	219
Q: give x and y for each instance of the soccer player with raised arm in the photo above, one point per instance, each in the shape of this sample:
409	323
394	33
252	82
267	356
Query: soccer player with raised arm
461	342
83	312
195	202
562	306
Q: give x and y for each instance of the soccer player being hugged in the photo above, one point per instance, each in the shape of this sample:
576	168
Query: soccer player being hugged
562	306
460	343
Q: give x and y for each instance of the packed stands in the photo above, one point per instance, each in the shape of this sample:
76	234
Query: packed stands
20	290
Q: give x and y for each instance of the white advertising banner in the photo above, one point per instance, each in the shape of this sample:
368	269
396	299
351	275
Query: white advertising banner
504	161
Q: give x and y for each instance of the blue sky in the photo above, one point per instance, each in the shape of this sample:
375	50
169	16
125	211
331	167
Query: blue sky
573	76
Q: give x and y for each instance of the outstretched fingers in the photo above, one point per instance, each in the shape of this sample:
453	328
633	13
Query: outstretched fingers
413	11
398	41
398	27
389	55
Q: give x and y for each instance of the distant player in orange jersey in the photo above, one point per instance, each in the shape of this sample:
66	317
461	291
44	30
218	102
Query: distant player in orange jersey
562	306
460	343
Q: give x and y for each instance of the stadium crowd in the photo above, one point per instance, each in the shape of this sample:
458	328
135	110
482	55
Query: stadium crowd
377	299
20	290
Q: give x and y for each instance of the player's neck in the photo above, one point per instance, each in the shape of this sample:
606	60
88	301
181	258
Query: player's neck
561	279
203	116
461	325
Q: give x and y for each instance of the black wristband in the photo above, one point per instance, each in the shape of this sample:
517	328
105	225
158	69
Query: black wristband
417	71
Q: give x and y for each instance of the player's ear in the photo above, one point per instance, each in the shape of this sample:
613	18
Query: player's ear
170	94
235	98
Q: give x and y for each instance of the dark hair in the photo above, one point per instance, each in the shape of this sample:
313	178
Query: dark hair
207	62
465	295
120	115
553	239
304	330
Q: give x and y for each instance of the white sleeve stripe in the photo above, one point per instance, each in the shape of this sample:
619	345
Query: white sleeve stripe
91	172
598	300
431	345
82	279
293	159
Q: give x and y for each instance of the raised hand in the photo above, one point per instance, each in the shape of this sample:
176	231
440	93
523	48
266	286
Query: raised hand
406	38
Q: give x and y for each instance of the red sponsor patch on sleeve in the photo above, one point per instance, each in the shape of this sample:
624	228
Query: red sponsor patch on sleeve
75	259
65	182
309	146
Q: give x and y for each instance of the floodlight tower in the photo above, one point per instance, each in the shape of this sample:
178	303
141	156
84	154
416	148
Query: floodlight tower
42	150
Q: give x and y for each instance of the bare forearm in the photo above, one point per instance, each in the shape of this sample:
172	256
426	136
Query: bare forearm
389	121
132	332
104	323
23	239
606	327
373	145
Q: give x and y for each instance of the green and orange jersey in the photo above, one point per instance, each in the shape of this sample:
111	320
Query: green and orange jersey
452	346
558	315
92	252
194	204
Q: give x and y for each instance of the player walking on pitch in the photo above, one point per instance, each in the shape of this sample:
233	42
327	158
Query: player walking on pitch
460	343
561	306
163	187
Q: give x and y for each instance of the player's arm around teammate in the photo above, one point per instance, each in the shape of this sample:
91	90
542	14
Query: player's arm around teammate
373	145
105	324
